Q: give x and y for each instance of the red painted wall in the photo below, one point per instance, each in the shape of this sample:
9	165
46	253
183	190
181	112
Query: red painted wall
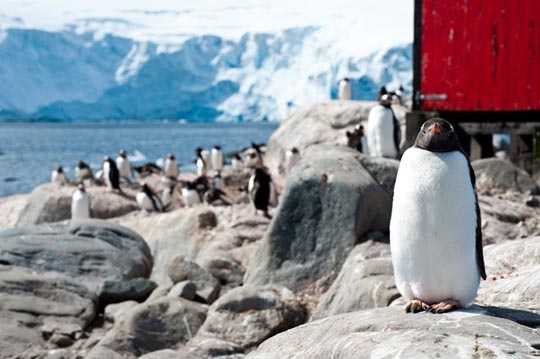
483	54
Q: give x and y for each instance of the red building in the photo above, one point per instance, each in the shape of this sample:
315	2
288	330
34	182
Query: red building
477	64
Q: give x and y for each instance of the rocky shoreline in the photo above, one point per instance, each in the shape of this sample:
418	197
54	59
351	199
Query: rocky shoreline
316	281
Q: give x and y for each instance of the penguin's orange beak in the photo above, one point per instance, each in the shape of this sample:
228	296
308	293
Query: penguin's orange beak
435	129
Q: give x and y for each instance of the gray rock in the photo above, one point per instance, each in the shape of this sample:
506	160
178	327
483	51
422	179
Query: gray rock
330	201
159	324
170	354
365	281
390	332
29	302
114	312
61	340
211	347
185	289
383	170
246	316
513	270
227	271
88	250
183	268
496	174
51	203
137	289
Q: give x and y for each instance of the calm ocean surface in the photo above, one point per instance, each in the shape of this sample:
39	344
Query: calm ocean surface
30	151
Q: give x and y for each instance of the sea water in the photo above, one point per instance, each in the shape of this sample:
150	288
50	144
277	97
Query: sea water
30	151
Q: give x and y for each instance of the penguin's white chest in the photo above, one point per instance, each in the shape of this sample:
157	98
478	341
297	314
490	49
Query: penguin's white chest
123	167
190	197
433	228
217	160
380	132
144	201
80	205
171	168
344	90
291	159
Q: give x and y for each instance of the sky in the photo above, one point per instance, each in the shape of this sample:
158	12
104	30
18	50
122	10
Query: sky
368	24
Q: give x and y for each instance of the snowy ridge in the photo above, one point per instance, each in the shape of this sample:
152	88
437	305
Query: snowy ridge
80	73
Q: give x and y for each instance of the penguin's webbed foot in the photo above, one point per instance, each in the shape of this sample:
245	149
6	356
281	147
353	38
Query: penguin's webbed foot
416	305
444	306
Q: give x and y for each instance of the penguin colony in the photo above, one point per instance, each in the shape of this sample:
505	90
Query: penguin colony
207	187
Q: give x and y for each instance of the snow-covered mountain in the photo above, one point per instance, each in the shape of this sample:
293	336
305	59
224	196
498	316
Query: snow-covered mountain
115	68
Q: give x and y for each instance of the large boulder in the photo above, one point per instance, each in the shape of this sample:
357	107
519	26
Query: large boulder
365	281
513	270
322	123
91	251
329	203
11	208
163	323
35	308
246	316
52	203
392	333
494	174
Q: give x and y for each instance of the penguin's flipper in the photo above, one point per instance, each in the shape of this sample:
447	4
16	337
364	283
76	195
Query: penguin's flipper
479	247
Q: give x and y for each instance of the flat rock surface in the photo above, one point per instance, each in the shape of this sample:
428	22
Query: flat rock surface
390	332
89	250
494	174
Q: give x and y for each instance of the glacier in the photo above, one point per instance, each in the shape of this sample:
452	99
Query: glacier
69	75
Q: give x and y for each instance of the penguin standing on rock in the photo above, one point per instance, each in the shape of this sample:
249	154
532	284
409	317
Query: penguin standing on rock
435	228
148	200
58	176
123	165
383	130
111	174
167	195
83	172
171	167
259	191
217	158
202	164
344	89
236	163
292	157
80	203
190	195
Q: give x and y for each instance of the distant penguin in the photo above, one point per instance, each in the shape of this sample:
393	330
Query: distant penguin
218	181
236	163
148	200
167	195
383	130
292	157
83	172
122	163
254	156
435	227
259	190
344	89
58	176
202	164
80	203
111	174
190	195
357	139
399	96
217	158
170	168
383	91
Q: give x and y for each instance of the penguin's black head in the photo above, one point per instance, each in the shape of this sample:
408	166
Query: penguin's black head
383	91
81	188
123	153
346	79
82	164
386	99
294	150
217	148
198	150
237	156
437	135
60	169
170	156
106	159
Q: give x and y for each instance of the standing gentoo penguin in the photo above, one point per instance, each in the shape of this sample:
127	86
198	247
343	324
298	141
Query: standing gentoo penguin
383	130
82	172
217	158
171	167
259	191
344	89
383	91
190	195
202	164
399	95
148	200
123	165
58	176
111	174
167	195
435	229
236	163
80	203
292	157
